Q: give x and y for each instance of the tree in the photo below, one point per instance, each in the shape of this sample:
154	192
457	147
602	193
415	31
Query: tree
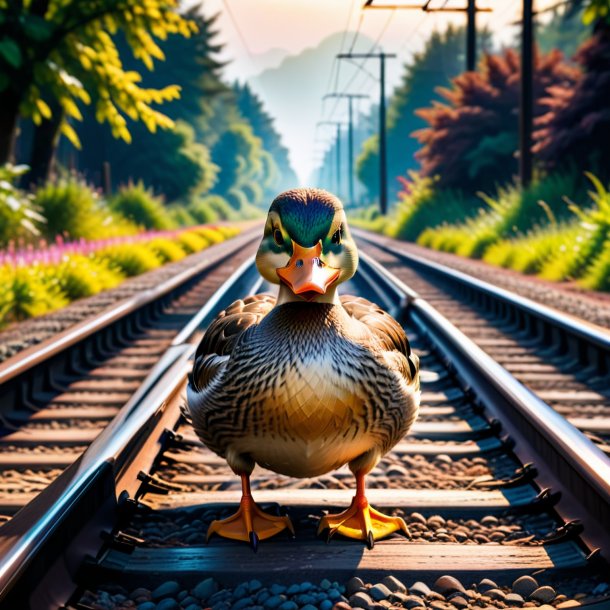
441	59
576	127
53	54
470	142
252	110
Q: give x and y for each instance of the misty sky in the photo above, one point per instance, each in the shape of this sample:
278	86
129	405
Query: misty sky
259	33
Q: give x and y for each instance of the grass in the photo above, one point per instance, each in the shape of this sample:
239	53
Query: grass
28	290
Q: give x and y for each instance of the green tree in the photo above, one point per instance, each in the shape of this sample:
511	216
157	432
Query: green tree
441	59
54	53
252	110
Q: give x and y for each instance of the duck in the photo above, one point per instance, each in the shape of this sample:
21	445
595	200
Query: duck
304	381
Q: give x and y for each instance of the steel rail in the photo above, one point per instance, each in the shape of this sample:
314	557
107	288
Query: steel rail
100	470
29	358
566	459
583	331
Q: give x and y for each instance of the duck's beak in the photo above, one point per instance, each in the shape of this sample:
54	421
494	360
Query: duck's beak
306	273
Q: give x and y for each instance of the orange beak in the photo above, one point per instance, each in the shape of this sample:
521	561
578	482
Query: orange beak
306	274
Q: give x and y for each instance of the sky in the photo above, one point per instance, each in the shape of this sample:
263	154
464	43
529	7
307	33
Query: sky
258	34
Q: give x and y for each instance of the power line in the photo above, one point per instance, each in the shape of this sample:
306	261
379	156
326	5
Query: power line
238	29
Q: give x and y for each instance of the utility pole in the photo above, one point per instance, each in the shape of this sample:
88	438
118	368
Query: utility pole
383	170
527	94
471	11
338	125
350	135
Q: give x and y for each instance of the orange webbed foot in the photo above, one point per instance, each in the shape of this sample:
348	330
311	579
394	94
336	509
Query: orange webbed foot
250	524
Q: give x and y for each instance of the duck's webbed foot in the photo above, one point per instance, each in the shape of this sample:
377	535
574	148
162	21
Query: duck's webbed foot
361	521
249	523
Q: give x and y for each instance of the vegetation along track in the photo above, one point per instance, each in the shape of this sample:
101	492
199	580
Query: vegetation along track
485	529
56	396
564	361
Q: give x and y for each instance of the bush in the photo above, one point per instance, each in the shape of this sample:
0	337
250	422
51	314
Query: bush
180	216
220	206
202	212
26	292
82	276
424	206
18	217
130	259
167	250
139	205
597	276
191	242
211	235
72	208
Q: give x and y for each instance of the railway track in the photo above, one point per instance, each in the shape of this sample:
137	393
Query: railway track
508	503
564	361
58	395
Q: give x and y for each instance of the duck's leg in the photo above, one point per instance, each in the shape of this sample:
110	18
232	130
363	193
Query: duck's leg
360	520
249	523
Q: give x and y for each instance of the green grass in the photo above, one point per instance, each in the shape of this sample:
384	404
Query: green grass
139	205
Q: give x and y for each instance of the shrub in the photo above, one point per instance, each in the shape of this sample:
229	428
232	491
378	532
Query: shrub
130	259
140	206
202	212
82	276
597	276
18	217
211	235
220	206
180	216
26	292
191	242
167	250
72	208
422	206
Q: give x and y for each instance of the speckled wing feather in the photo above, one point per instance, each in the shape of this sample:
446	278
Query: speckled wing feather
222	335
383	326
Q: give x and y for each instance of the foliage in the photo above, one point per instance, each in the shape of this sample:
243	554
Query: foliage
563	31
139	205
469	143
278	172
26	292
422	205
180	216
192	241
132	259
18	217
82	276
71	208
218	205
65	52
576	126
441	59
166	250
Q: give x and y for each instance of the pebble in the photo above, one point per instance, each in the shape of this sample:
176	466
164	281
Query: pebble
192	607
140	592
459	602
169	603
326	605
525	586
325	585
361	600
274	601
448	584
569	603
413	601
167	589
243	602
337	606
290	605
420	588
486	584
379	592
205	589
254	585
439	605
276	589
543	594
601	588
354	585
513	599
489	520
147	606
495	594
394	585
419	518
309	607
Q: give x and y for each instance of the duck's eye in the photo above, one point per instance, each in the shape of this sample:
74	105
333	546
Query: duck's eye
278	237
337	236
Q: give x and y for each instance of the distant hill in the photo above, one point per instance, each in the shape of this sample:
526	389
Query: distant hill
293	93
270	59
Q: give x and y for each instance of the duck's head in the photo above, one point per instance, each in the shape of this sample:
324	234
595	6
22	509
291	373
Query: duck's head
307	246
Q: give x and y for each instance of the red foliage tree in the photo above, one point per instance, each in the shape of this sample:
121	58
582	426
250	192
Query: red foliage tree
576	127
472	139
